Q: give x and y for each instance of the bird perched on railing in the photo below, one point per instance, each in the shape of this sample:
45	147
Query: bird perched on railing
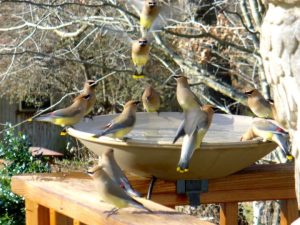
110	192
268	131
259	105
149	13
89	89
140	56
151	99
123	123
193	129
113	170
67	116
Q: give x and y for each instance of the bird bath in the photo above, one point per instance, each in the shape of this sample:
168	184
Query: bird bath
150	152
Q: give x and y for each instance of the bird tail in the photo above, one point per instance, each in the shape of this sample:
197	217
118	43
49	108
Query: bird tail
183	166
43	118
126	185
138	73
283	144
97	135
189	144
144	32
141	206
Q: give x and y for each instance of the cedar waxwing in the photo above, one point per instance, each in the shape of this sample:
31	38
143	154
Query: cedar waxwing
140	56
67	116
268	131
151	99
185	97
113	170
149	13
89	89
259	105
110	192
198	121
122	124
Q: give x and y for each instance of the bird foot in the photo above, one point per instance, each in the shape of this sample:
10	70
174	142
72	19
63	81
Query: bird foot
180	170
111	212
125	139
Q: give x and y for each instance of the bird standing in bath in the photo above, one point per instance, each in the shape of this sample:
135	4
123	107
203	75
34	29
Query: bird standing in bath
140	56
259	105
185	97
151	99
67	116
89	89
122	124
113	170
110	192
268	131
197	123
149	13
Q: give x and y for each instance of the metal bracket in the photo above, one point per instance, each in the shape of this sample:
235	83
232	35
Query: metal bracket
150	188
193	189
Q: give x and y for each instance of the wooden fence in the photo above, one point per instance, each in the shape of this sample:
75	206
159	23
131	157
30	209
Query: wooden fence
40	134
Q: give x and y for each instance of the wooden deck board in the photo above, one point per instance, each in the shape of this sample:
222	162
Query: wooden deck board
76	197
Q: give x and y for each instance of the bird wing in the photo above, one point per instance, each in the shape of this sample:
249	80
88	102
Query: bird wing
117	192
66	112
267	125
195	119
180	132
119	123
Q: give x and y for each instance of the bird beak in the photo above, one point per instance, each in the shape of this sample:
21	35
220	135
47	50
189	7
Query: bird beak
143	43
87	97
215	108
94	84
152	4
89	172
248	92
176	77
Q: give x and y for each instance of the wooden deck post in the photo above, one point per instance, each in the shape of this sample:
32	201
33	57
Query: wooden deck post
288	212
229	213
36	214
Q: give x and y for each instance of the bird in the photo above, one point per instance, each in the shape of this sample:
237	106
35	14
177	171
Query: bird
149	13
110	192
67	116
89	89
151	99
123	123
268	131
185	97
113	170
140	56
259	105
193	128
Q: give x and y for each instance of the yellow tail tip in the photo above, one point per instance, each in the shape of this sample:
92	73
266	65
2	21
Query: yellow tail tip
178	169
136	77
289	157
63	133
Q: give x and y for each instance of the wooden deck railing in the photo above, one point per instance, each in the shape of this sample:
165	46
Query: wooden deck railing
71	198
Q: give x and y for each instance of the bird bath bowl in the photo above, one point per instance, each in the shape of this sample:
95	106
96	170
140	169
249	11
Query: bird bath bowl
150	152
